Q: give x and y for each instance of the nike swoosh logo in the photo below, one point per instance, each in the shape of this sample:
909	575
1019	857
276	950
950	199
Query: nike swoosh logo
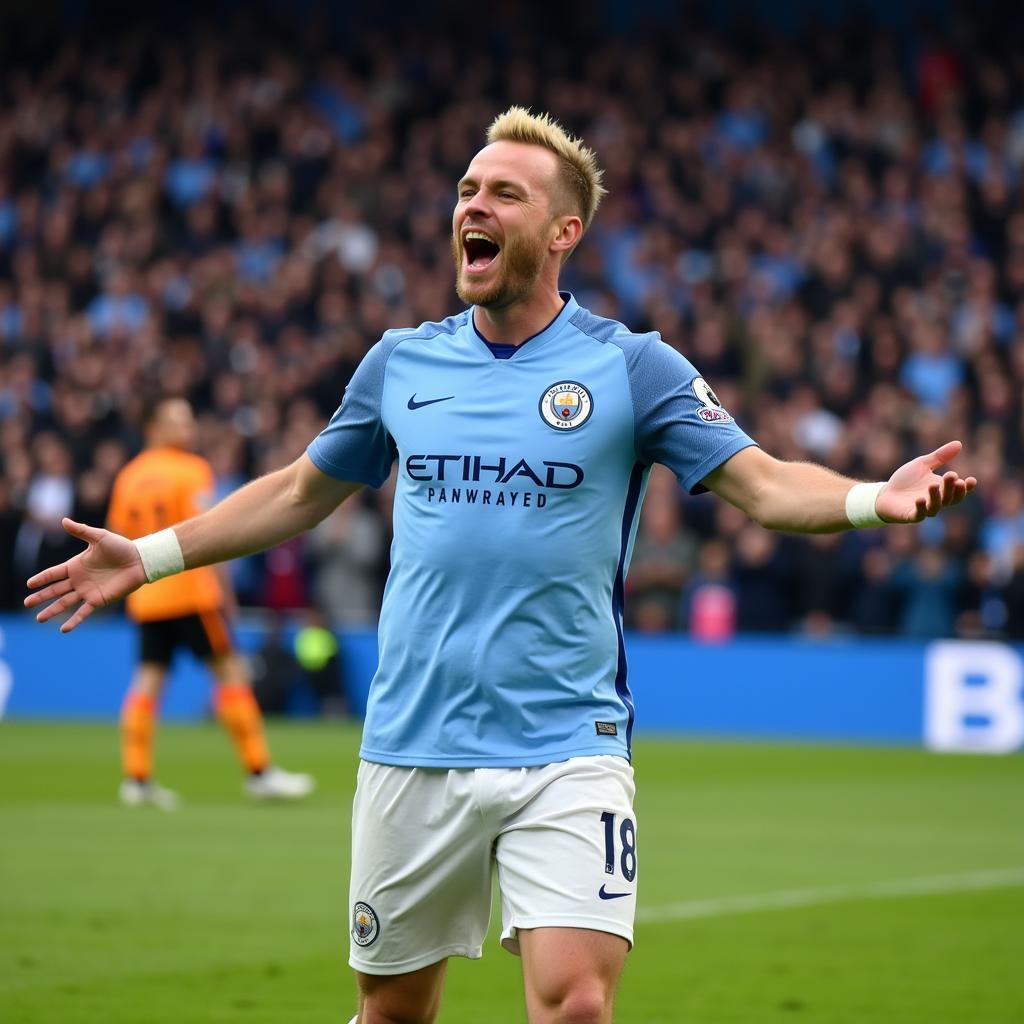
612	895
413	404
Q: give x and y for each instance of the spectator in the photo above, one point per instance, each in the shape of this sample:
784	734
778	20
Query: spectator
663	557
875	602
1003	533
762	576
821	582
348	548
237	225
929	586
1013	596
707	609
119	310
49	498
12	583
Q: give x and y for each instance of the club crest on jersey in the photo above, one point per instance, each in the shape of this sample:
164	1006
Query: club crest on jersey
365	926
711	410
566	405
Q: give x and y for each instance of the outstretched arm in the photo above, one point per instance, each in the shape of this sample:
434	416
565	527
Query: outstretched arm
801	497
265	512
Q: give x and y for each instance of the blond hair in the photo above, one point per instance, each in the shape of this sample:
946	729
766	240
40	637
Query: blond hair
581	177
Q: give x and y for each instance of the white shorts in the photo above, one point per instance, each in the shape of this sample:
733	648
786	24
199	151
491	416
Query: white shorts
425	842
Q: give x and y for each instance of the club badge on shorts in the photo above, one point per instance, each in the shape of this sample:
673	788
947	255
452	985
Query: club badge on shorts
365	926
566	405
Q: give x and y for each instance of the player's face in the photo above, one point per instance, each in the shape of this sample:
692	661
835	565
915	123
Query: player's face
502	225
177	425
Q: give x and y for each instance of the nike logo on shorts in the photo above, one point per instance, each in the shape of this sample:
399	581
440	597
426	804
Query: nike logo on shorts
413	404
611	895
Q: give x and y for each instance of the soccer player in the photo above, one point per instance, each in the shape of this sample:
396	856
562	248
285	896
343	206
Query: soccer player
163	485
500	719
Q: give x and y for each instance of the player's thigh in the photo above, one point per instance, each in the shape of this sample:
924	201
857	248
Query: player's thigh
570	973
420	889
208	636
413	997
568	859
148	679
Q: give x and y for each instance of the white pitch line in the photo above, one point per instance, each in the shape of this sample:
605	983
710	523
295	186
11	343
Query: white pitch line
787	899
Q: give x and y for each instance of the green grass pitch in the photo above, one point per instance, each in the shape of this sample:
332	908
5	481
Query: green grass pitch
765	890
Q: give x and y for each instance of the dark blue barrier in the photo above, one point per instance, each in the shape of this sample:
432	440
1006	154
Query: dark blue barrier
948	695
84	674
840	690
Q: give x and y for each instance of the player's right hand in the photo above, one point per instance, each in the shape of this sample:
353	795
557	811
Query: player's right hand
107	570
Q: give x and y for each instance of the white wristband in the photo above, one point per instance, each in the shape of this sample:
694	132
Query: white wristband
161	554
860	505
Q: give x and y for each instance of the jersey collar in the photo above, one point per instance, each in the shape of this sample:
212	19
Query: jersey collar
502	351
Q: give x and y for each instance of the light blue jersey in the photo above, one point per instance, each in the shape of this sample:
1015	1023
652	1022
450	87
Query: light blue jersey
520	477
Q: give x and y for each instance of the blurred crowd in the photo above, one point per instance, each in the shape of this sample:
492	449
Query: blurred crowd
830	228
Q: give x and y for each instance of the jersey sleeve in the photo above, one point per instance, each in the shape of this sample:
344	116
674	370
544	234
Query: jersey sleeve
355	445
679	420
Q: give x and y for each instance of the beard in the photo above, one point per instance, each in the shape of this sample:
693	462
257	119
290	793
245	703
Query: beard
522	260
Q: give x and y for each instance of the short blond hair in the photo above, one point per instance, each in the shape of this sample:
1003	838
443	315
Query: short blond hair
579	171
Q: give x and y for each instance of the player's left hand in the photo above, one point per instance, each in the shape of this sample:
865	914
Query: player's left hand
915	490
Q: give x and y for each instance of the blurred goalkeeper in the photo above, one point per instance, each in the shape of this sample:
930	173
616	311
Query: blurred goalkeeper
163	485
498	731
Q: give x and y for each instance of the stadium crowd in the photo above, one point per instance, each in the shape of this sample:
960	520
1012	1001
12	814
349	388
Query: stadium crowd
831	229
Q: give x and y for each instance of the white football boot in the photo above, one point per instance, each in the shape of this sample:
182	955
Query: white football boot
277	784
135	793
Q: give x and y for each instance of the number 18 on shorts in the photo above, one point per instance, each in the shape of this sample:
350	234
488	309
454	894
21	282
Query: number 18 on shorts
425	843
627	846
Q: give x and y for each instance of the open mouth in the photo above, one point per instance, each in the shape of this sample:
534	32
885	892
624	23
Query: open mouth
480	251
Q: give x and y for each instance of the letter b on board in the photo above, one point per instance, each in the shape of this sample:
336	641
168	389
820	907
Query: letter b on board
974	698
